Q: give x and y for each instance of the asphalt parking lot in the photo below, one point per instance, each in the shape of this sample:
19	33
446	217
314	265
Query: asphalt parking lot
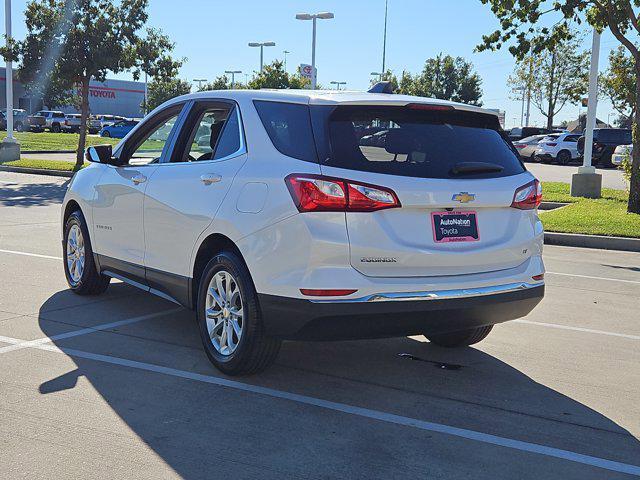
118	386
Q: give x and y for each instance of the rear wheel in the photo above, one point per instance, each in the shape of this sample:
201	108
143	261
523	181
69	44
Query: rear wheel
79	268
564	157
106	134
229	318
55	128
463	338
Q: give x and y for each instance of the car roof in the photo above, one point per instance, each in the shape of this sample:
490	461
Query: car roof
324	97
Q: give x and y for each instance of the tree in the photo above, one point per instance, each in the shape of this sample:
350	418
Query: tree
161	89
274	76
554	78
517	18
449	78
71	42
618	84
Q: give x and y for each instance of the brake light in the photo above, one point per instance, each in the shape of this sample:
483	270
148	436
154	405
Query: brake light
433	108
520	145
311	292
528	196
552	144
316	193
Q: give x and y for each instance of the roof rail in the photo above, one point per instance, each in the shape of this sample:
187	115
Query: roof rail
381	87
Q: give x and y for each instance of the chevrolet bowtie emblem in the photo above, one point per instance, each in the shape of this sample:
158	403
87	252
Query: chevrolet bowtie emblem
464	197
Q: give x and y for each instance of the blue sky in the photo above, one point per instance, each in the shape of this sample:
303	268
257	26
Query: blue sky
213	35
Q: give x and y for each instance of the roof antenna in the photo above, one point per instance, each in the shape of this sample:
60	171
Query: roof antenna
381	87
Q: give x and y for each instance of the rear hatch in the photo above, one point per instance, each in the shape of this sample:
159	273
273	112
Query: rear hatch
37	120
455	175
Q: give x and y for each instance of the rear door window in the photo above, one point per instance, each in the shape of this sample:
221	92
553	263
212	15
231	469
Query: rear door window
414	142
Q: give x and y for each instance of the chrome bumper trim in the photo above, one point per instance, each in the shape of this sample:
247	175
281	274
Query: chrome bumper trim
437	294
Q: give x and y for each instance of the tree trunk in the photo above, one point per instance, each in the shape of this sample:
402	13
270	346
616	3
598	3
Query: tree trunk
84	115
551	106
634	183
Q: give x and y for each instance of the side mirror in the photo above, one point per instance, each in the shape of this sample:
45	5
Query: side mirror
100	154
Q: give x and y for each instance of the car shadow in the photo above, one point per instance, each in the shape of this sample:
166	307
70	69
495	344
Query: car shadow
32	194
197	428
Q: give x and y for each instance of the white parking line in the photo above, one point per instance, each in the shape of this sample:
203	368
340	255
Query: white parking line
578	329
594	277
349	409
83	331
26	254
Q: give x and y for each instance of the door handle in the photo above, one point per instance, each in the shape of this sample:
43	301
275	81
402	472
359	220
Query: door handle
138	179
209	178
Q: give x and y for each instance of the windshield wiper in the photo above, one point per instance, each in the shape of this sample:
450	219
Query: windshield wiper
464	168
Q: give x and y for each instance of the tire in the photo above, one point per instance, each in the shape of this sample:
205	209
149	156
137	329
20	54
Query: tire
19	127
463	338
106	134
84	280
563	157
55	128
253	351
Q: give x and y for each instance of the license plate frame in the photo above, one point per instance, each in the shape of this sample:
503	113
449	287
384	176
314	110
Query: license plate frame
456	230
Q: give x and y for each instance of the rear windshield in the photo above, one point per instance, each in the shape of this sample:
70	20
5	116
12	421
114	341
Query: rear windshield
414	143
613	136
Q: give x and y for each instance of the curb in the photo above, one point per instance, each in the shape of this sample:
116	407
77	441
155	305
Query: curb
37	171
37	152
601	242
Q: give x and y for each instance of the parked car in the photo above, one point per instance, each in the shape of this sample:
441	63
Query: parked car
559	147
108	120
605	141
620	153
20	122
285	227
119	129
527	147
518	133
72	123
375	140
51	119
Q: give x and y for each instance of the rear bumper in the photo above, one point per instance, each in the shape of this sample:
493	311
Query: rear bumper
397	314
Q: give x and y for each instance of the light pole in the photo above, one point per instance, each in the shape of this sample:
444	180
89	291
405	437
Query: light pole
286	52
337	84
314	17
522	90
9	148
262	45
384	41
200	82
233	76
588	183
378	74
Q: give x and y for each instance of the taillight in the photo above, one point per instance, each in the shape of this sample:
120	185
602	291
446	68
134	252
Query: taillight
519	145
430	107
528	196
552	144
316	193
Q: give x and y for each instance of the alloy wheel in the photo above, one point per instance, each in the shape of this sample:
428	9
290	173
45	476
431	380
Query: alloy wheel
223	312
75	253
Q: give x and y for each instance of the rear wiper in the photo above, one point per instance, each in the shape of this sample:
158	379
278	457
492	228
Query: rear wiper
463	168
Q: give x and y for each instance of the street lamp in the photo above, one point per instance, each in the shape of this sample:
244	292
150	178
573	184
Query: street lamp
233	76
377	74
314	17
262	45
337	84
10	148
286	52
200	82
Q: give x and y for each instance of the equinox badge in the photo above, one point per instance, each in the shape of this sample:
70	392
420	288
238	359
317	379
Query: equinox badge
464	197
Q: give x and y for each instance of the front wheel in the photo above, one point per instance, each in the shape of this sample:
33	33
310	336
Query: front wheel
229	318
564	157
106	134
55	128
463	338
79	267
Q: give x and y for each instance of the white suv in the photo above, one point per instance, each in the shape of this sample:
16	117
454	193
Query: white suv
284	226
561	147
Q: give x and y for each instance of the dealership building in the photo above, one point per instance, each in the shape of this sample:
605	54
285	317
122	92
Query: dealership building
111	97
